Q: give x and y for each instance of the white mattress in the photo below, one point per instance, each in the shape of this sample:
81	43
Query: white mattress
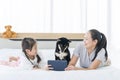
106	73
10	73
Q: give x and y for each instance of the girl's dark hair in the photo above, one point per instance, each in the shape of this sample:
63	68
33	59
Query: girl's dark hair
102	42
28	43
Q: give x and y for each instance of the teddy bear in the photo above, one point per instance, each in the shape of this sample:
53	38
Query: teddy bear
8	33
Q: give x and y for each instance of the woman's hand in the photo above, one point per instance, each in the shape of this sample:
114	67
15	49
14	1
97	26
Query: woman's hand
71	67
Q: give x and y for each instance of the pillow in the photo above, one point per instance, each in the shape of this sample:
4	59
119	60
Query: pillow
6	53
6	43
46	54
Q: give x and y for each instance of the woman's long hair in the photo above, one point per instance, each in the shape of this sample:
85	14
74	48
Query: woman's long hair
102	42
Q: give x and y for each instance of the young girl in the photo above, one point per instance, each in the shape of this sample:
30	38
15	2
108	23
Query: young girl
92	53
31	58
28	59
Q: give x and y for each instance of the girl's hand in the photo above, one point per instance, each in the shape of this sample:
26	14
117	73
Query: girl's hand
48	67
36	67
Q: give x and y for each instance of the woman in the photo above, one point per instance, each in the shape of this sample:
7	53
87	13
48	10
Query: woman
92	53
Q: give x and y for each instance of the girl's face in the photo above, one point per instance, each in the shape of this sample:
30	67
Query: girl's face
88	41
32	52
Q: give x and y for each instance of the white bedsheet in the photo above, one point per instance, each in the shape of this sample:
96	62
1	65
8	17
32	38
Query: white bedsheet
11	73
106	73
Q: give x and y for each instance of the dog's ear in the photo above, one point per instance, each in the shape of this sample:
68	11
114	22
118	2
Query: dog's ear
64	40
69	41
58	40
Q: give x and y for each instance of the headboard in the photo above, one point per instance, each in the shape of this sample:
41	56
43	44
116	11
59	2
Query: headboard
49	36
45	40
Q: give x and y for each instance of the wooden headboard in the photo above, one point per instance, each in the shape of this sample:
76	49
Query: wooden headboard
49	36
44	39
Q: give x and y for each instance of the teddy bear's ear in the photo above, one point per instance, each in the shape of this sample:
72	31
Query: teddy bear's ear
5	26
8	26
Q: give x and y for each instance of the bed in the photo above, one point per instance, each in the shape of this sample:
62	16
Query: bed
103	74
11	73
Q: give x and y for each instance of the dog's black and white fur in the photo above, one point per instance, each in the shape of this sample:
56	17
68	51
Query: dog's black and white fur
62	52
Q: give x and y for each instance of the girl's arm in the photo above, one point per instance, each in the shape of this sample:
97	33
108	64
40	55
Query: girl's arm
13	62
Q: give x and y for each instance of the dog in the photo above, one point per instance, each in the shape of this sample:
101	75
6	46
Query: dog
62	52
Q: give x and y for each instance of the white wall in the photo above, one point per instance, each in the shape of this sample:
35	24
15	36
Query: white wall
115	20
58	16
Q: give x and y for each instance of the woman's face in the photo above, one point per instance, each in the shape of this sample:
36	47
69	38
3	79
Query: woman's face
88	41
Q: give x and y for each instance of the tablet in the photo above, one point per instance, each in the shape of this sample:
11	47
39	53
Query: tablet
58	65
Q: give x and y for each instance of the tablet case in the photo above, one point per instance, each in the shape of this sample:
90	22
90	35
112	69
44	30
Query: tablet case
58	65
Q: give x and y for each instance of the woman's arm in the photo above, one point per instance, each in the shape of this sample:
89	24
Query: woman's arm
72	62
94	65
